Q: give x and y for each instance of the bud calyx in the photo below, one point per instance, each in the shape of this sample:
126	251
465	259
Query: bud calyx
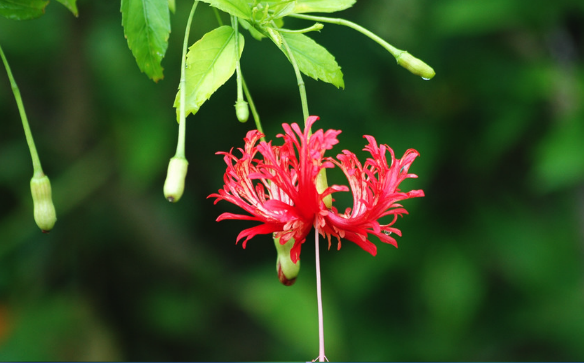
241	111
415	65
175	179
45	215
286	269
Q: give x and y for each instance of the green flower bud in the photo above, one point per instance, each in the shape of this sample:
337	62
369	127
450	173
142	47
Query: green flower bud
175	179
415	65
321	185
44	209
241	110
286	269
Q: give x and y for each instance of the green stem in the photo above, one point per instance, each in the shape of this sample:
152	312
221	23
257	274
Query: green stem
316	27
254	112
237	65
390	48
218	16
36	162
301	86
180	146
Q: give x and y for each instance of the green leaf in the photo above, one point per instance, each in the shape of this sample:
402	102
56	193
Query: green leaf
313	59
280	8
147	26
71	5
172	6
210	63
322	6
22	9
239	8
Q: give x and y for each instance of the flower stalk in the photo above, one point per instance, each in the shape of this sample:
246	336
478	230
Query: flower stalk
278	187
403	58
40	185
321	356
241	107
301	85
254	112
178	165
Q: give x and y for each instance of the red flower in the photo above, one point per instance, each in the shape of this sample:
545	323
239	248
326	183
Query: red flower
280	191
375	193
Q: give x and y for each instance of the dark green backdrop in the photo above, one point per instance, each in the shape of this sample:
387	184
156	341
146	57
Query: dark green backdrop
490	263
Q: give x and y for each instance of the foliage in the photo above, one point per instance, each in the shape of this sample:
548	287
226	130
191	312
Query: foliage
210	63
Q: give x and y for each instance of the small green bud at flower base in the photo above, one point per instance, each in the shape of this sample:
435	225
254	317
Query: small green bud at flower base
321	185
174	185
44	209
286	269
415	65
241	110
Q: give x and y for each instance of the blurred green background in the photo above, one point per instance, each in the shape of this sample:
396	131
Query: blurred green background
490	263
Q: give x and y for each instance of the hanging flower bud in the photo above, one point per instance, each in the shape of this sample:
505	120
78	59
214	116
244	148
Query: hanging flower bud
44	209
175	179
286	269
241	110
415	65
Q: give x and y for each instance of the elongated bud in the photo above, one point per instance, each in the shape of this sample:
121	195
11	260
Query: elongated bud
286	269
241	110
174	185
321	185
44	209
415	65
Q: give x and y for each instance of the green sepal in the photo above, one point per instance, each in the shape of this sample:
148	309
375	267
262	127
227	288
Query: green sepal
321	186
174	185
45	215
242	111
286	269
415	65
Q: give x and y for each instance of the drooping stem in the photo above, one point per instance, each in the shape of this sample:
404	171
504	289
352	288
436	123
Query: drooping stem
254	112
237	65
36	162
403	58
301	86
321	356
390	48
218	16
180	146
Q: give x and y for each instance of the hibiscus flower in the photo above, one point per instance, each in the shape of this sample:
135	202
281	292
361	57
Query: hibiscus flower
277	186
